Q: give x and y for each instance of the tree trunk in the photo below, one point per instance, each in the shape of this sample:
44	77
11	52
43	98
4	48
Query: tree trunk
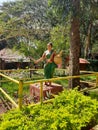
74	48
87	43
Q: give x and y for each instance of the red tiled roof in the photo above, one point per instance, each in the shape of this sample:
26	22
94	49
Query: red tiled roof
83	61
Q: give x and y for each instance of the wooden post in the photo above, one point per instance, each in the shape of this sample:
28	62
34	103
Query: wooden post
20	92
0	64
41	92
97	80
0	69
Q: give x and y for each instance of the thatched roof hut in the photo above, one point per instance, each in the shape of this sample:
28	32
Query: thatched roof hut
10	57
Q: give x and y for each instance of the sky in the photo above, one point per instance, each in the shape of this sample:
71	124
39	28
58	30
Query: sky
1	1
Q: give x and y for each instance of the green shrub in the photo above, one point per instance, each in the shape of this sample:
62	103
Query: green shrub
94	94
71	110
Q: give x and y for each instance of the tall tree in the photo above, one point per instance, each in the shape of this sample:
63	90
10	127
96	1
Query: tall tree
87	22
74	44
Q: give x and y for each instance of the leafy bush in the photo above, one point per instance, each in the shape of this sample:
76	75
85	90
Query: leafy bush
94	94
71	110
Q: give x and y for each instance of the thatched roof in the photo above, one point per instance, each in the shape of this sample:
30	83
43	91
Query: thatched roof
10	55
